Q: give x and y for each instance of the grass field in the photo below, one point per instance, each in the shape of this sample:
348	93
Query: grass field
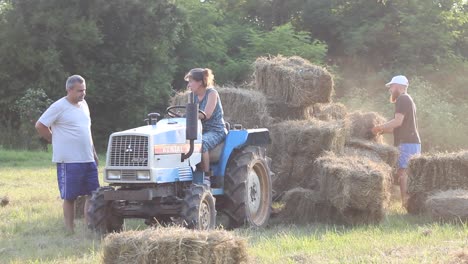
31	229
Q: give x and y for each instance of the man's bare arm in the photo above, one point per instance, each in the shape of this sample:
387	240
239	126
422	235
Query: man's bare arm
390	125
44	131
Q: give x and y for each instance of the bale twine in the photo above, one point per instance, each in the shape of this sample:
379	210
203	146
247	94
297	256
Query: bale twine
241	106
327	112
293	80
430	173
357	187
372	150
174	245
303	206
361	124
296	145
448	205
79	206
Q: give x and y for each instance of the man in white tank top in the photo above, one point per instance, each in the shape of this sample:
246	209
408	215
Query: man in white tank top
67	125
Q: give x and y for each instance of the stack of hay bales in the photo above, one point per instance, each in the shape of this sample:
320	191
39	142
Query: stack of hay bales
352	190
292	98
431	173
297	144
241	106
292	85
174	245
448	205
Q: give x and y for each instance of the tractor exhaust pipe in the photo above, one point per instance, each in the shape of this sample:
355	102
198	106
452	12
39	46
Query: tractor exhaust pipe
191	129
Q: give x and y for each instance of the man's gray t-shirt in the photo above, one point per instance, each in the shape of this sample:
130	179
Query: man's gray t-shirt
408	131
71	131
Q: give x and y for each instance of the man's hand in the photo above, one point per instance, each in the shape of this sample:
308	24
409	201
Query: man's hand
44	131
377	130
96	158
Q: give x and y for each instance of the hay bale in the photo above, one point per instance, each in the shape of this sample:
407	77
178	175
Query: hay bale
357	187
246	107
327	112
241	106
430	173
303	206
296	145
372	150
361	124
460	256
293	80
448	205
174	245
79	206
281	111
180	98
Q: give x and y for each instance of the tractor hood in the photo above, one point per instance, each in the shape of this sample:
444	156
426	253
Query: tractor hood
166	131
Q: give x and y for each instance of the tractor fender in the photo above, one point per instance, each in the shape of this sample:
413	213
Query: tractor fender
237	139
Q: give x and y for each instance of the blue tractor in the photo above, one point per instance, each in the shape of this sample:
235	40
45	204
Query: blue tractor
153	174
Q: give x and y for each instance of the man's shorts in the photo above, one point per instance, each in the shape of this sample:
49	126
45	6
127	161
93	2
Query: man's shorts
406	152
75	179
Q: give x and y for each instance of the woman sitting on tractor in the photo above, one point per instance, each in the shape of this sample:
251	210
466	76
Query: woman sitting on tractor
201	82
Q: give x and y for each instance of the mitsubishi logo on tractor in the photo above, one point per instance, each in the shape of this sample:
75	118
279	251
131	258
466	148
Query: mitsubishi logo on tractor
129	148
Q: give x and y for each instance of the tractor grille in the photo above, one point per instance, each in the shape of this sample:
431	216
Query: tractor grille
129	151
129	175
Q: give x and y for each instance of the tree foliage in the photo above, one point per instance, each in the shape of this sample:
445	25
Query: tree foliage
125	49
135	53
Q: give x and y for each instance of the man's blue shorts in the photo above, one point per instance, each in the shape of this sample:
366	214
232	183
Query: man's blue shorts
406	152
75	179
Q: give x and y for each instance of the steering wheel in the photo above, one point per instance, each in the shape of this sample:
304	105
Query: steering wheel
170	111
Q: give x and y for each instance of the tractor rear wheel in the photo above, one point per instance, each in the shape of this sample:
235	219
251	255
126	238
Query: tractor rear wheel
198	210
247	188
100	214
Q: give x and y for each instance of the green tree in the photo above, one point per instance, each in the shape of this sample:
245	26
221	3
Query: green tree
125	50
30	107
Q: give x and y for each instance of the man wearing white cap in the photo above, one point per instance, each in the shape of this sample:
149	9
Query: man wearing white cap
404	128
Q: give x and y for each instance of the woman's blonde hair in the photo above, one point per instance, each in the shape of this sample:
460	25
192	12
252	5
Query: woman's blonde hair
204	75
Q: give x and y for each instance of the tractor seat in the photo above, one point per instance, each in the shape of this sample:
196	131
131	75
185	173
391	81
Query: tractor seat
215	153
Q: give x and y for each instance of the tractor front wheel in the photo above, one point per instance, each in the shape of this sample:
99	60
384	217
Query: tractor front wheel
198	210
100	214
247	188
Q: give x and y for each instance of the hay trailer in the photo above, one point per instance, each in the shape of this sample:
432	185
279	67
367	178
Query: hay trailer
153	174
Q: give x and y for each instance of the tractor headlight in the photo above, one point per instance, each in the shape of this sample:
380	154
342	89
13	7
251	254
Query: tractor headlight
113	175
143	175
